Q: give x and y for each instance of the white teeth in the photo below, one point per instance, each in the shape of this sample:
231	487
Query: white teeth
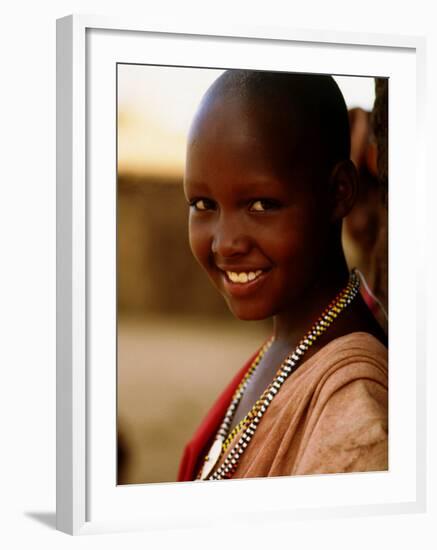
243	277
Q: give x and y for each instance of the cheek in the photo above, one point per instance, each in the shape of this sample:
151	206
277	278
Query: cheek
200	242
300	244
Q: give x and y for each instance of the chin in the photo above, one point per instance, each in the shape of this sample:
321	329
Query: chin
247	313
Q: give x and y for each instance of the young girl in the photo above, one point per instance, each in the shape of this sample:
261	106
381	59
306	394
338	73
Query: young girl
269	180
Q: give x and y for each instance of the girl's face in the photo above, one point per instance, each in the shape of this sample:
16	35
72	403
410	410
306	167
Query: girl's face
258	223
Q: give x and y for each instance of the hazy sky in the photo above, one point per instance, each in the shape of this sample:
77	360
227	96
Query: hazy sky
156	106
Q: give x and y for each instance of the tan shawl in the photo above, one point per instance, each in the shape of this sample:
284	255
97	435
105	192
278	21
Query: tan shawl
330	415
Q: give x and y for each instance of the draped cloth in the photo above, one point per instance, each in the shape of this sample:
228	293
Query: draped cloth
330	416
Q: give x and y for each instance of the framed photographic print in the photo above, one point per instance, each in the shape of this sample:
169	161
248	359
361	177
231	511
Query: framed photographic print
177	145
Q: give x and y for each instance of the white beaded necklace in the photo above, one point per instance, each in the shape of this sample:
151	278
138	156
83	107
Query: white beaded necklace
289	365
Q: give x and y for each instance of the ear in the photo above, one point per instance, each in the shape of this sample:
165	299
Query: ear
343	186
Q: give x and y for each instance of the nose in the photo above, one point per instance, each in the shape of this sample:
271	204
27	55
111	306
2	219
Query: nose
229	238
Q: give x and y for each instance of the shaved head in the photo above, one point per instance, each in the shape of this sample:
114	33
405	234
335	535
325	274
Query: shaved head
304	116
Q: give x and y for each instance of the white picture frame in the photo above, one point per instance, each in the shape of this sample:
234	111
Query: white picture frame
88	499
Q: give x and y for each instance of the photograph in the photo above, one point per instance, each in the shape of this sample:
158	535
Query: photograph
252	274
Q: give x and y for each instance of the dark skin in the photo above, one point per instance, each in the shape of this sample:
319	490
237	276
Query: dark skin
259	205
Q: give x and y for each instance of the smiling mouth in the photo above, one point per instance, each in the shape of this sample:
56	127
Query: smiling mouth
243	277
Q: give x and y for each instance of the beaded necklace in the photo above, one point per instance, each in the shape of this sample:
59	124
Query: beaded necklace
250	422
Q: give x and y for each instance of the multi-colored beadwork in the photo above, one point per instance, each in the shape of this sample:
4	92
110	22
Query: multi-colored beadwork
222	439
250	423
227	421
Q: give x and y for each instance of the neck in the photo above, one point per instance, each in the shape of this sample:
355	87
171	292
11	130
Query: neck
294	322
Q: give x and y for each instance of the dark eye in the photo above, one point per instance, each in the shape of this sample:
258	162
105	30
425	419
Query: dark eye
202	204
261	205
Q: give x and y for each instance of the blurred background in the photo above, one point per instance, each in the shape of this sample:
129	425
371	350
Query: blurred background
178	345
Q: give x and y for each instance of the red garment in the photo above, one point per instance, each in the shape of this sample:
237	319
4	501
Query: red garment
197	448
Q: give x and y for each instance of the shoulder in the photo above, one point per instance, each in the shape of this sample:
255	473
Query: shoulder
352	380
347	421
356	346
356	356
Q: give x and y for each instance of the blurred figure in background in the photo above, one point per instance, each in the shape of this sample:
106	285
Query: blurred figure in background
365	228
